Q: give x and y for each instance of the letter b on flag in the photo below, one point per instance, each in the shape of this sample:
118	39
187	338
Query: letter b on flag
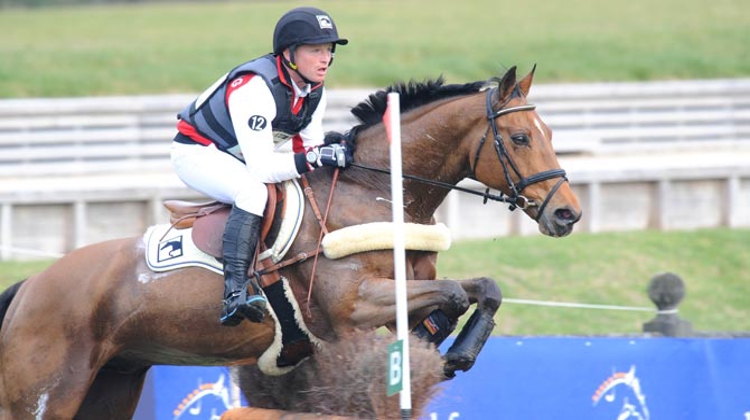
395	367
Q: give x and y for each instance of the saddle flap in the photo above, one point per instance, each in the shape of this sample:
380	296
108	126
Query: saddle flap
208	231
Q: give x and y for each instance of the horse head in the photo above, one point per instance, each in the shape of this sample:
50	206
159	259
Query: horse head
515	156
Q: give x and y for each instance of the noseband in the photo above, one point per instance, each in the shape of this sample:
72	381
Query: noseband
515	198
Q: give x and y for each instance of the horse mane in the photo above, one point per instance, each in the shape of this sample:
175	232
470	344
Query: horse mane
413	95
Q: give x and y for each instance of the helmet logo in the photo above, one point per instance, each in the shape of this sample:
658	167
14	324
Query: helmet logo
324	22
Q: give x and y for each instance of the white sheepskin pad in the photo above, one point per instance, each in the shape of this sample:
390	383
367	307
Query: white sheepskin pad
379	236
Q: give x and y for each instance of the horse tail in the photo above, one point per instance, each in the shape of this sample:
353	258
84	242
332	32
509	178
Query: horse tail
6	297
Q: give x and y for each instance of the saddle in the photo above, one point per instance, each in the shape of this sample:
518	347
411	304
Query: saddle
209	218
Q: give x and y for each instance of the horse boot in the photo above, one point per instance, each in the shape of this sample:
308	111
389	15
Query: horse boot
435	328
239	241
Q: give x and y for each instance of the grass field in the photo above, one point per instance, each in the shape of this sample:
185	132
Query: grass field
608	269
138	49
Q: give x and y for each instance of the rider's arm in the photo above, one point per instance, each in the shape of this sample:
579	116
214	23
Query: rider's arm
252	108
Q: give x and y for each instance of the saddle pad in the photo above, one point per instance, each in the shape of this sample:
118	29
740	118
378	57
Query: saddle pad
169	249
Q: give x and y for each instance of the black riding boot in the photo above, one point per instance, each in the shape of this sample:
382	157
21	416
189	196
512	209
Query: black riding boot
240	238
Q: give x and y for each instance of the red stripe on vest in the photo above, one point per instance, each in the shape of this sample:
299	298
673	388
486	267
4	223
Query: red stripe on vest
188	130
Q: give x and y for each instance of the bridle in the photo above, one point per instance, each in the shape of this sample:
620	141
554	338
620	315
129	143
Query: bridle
516	199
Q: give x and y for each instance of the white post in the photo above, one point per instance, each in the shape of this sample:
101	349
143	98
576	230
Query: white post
393	125
6	234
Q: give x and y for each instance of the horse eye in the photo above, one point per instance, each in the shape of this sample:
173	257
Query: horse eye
520	139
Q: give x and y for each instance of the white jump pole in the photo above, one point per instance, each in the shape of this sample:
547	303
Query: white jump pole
392	121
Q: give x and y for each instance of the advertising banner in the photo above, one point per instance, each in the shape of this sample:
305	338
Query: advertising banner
535	378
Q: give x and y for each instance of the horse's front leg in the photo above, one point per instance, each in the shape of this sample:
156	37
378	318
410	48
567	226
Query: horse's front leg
376	301
435	305
463	353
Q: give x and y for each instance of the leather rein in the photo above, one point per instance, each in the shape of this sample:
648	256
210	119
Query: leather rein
515	198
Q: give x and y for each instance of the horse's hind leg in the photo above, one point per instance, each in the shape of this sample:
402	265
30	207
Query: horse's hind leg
464	351
113	395
38	388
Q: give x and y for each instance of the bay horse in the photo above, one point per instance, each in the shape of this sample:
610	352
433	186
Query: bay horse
78	338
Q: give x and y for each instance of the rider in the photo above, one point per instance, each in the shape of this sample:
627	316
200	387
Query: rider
260	123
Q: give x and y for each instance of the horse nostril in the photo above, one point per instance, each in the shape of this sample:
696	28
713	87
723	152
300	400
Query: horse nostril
566	216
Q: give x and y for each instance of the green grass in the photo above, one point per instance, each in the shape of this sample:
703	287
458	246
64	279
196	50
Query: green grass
162	48
611	269
606	268
13	271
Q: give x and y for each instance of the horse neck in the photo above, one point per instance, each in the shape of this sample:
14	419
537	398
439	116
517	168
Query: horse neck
436	145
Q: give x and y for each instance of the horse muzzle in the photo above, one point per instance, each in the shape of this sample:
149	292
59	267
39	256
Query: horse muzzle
558	221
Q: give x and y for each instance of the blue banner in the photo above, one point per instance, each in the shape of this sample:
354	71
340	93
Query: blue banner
602	378
536	378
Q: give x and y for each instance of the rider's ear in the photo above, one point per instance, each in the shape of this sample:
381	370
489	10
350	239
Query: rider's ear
525	83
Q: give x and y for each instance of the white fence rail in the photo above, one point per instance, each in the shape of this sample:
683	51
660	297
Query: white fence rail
641	155
619	116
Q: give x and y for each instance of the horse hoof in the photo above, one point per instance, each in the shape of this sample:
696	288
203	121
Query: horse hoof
455	362
448	374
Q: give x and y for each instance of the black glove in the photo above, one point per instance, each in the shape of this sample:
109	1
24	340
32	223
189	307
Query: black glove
336	155
334	137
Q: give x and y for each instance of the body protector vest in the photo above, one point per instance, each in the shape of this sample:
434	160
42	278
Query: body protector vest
209	115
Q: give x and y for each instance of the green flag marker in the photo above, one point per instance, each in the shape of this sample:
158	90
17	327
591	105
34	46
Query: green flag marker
395	374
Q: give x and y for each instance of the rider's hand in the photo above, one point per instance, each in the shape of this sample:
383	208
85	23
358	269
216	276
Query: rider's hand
334	137
335	155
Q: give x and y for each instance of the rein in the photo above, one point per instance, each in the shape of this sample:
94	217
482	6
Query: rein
487	196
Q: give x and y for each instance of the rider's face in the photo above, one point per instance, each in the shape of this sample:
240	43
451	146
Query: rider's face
312	60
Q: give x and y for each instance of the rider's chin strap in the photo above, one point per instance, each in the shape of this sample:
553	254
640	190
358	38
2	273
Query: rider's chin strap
292	64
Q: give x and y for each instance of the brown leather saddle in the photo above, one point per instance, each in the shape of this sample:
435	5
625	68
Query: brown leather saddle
208	219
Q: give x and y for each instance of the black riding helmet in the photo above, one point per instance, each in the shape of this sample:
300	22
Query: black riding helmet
304	25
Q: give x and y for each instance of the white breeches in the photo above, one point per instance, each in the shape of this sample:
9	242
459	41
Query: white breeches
220	176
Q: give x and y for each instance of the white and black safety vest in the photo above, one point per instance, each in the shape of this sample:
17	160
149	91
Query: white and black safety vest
209	115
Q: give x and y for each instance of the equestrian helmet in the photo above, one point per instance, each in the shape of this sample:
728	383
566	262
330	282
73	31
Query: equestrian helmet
305	25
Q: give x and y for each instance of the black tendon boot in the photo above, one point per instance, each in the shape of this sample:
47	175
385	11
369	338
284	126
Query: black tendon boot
240	238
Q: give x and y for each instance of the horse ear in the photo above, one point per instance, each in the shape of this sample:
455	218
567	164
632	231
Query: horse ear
525	83
508	83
